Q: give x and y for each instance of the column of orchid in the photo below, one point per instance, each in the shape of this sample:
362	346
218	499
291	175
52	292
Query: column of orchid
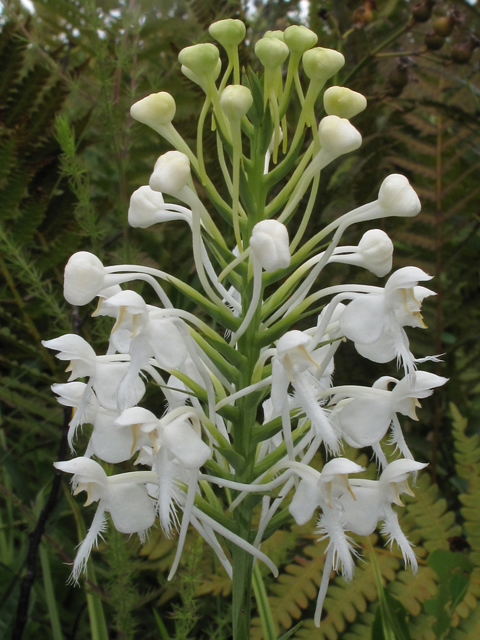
247	408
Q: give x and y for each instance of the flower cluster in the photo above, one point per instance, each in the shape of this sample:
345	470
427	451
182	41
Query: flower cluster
247	409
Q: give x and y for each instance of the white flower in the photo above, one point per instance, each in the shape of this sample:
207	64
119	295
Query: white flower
294	364
104	375
359	511
375	321
363	414
321	489
123	496
174	440
372	504
149	336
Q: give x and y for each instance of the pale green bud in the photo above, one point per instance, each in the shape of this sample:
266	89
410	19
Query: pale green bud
322	64
274	34
299	39
197	79
271	52
343	102
202	59
235	101
171	173
229	33
157	109
337	136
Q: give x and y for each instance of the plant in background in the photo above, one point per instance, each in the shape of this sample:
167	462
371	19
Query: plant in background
248	407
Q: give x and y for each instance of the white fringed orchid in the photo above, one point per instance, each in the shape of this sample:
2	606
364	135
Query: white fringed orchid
295	363
396	306
359	511
123	496
363	415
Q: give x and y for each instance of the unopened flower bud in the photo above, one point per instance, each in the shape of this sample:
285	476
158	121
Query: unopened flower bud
171	173
84	278
322	64
397	197
202	59
270	245
271	52
343	102
277	33
147	207
299	39
198	79
338	136
229	33
157	109
376	251
235	101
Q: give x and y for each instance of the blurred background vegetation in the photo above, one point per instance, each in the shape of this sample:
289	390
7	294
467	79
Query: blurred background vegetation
70	157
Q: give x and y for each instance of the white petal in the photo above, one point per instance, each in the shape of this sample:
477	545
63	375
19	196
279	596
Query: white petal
86	469
185	444
130	508
167	344
109	442
366	420
305	501
364	318
363	513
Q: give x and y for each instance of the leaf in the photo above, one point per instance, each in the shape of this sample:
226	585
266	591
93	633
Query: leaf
390	621
453	570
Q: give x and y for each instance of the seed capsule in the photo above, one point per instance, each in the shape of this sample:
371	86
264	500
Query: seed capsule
434	42
443	26
421	12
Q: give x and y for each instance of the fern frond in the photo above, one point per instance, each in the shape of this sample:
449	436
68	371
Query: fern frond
467	457
413	589
427	520
345	600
